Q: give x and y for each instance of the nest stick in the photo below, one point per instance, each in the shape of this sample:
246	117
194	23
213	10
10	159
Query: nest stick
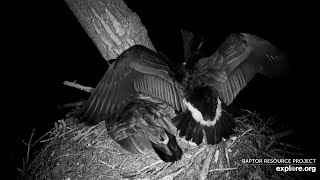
79	86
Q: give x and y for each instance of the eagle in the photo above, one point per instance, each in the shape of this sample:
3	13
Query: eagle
147	100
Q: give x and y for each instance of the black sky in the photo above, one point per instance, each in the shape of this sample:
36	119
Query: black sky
53	47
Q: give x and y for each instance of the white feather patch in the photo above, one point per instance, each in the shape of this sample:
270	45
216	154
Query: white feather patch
196	114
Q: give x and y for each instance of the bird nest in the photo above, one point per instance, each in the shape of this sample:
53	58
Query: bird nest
74	151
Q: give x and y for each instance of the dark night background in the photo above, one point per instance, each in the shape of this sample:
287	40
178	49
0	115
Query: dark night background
53	47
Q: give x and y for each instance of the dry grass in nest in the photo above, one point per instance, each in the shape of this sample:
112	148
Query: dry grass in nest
74	151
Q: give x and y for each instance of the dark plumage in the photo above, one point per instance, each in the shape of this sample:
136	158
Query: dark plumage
134	98
215	82
145	123
146	100
136	70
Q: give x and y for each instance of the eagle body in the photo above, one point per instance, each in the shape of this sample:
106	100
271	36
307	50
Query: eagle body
147	101
137	98
150	127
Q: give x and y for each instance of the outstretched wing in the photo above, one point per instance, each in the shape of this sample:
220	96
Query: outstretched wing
237	61
137	69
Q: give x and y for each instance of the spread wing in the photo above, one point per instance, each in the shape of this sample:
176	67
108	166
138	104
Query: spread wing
237	61
137	69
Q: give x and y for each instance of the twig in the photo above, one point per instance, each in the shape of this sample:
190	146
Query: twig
240	137
176	173
86	133
190	143
42	137
266	123
280	135
125	159
205	169
289	145
25	163
24	143
171	176
248	111
78	103
139	156
146	168
269	145
107	164
39	155
200	45
153	164
196	154
227	156
29	146
46	140
79	86
161	170
72	129
101	132
228	163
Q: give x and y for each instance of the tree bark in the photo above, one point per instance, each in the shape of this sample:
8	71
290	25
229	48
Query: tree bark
111	25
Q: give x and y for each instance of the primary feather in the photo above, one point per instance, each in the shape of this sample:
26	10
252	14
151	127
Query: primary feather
134	98
236	62
136	70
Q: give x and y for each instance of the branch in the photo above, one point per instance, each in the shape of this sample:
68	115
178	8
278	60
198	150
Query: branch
78	86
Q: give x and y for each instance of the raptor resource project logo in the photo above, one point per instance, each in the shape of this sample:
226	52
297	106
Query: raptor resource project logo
285	165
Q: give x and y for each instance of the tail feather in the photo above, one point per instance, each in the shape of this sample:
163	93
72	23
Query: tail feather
227	124
194	131
190	129
181	120
198	134
210	134
184	127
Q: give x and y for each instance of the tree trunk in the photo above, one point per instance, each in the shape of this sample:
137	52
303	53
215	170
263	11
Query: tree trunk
111	25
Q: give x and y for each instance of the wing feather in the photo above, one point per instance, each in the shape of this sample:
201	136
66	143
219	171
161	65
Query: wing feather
165	90
232	81
113	103
158	90
170	95
176	99
237	61
153	85
161	83
149	83
137	69
237	80
229	90
104	94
